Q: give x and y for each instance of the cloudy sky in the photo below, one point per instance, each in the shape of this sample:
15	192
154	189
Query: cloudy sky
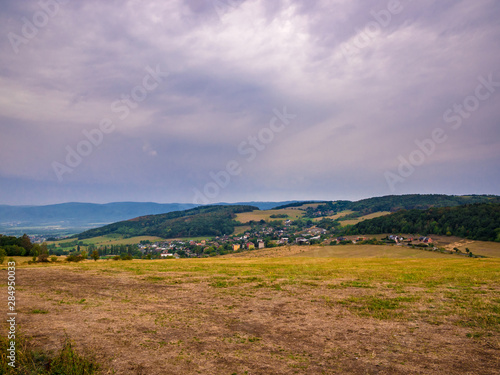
234	100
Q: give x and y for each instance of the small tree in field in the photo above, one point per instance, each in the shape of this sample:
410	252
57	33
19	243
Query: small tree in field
84	254
43	255
95	255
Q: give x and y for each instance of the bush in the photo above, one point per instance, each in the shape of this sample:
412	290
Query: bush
116	257
74	258
53	259
31	361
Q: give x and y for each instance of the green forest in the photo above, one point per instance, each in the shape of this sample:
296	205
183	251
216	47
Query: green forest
394	203
200	221
476	221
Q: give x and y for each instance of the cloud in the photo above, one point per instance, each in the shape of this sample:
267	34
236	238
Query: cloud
230	64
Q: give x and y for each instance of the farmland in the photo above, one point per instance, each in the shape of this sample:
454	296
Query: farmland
314	311
245	217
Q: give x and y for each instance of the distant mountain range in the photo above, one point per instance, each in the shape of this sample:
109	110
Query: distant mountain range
70	218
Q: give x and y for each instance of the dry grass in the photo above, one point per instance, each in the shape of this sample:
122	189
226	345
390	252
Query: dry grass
287	315
366	217
337	216
246	217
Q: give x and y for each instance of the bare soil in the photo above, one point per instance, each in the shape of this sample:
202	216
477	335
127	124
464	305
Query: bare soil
139	324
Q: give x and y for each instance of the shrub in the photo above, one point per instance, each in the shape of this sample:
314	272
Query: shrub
31	361
74	258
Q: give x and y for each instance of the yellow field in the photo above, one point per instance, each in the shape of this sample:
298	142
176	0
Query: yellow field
371	251
366	217
334	217
246	217
287	315
313	205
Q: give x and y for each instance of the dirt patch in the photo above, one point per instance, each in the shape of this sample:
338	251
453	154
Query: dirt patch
144	325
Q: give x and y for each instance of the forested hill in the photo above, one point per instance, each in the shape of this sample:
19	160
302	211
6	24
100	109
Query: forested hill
476	221
395	203
200	221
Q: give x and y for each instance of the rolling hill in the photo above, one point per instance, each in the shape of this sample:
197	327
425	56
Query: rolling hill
480	221
71	218
200	221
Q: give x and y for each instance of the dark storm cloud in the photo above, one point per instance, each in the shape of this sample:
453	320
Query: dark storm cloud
363	95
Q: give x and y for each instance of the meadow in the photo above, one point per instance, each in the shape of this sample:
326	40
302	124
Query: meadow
308	313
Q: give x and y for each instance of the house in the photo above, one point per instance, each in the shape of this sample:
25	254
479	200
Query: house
250	245
261	244
165	255
236	246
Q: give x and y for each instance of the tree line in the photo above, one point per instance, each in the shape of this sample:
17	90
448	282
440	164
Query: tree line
476	221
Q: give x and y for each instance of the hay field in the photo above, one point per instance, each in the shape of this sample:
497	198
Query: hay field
270	315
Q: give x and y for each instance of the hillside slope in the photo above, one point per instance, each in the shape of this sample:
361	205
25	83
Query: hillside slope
200	221
476	221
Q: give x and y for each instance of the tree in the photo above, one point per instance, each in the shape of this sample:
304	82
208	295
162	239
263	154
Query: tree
43	255
84	254
25	242
3	254
95	255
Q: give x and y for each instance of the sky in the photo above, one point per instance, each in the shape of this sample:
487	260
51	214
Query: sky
202	101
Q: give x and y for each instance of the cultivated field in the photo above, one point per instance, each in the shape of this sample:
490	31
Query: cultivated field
307	314
366	217
246	217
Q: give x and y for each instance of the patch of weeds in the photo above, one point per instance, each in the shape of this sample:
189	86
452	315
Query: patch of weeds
162	320
154	279
350	284
219	284
246	280
39	311
355	284
475	335
238	339
32	361
377	306
276	286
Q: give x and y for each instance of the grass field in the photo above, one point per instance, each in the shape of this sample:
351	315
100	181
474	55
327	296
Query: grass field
339	215
120	240
271	315
111	239
366	217
246	217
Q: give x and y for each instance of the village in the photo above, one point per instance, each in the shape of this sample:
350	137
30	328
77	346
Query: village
268	236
